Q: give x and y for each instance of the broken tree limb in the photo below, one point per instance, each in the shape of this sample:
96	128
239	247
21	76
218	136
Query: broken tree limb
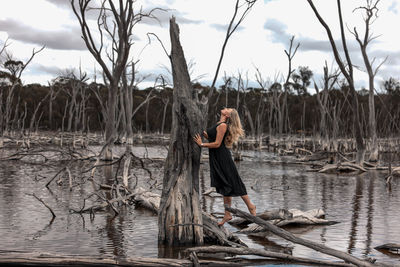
289	236
41	201
396	171
282	214
263	253
390	247
342	167
298	217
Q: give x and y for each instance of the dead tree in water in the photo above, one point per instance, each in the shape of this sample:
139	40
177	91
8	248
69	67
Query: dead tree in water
347	70
284	119
180	216
329	80
371	11
115	21
15	69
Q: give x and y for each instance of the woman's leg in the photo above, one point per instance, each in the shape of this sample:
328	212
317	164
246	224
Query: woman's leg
249	204
227	215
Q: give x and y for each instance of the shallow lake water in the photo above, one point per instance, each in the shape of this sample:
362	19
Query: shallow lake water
365	207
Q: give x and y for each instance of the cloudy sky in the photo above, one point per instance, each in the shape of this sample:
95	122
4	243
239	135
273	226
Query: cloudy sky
259	42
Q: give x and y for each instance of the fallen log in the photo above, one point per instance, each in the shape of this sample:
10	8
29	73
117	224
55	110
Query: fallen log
342	167
298	217
311	244
263	253
390	247
41	259
396	172
281	214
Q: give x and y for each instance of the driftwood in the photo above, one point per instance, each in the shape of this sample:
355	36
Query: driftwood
342	167
40	259
290	237
213	234
282	214
298	217
390	247
263	253
396	172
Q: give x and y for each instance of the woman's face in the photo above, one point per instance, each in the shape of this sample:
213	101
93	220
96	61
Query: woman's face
226	112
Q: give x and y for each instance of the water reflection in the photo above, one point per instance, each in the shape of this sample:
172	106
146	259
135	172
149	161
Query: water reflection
355	213
367	213
370	212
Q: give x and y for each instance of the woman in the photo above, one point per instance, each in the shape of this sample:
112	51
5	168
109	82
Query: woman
223	172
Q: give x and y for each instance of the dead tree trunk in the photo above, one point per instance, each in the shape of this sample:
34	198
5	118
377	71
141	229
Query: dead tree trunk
180	217
371	10
285	109
347	70
115	22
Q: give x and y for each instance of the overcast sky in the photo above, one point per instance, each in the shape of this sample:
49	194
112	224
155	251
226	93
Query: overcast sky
258	43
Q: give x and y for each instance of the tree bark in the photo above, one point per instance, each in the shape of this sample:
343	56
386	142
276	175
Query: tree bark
289	236
180	217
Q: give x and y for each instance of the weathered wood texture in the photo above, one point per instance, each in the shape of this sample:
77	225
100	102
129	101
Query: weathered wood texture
40	259
311	244
281	214
298	217
180	219
264	253
390	247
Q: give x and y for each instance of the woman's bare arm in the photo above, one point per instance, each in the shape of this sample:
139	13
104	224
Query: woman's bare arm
221	130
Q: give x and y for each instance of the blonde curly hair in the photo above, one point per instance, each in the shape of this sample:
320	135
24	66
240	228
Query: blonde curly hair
235	130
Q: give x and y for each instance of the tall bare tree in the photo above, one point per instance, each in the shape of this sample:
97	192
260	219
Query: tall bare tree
329	80
240	12
15	68
287	85
370	14
115	20
346	67
180	216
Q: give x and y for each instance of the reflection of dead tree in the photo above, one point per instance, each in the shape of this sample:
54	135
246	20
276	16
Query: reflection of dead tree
41	201
347	70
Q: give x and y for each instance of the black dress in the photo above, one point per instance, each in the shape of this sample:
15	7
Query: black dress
224	175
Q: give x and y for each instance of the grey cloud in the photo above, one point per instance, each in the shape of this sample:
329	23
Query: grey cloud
66	39
61	3
393	7
39	68
275	26
91	14
280	35
163	15
393	57
224	27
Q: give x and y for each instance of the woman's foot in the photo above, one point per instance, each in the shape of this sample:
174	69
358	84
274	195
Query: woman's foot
224	220
252	210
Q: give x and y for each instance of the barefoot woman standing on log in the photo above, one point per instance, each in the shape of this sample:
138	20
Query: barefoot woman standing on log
224	175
